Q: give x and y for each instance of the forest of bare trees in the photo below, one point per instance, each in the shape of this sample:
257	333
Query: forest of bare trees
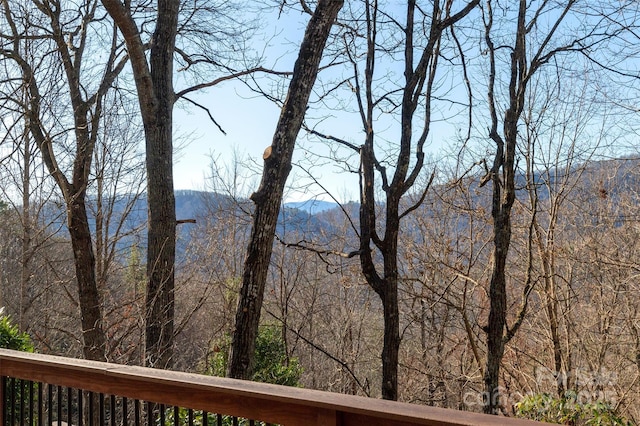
486	259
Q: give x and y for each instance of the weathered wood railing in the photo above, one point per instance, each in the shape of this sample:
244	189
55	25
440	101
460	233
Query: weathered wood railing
35	377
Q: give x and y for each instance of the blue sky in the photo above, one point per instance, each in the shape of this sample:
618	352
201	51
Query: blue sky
248	119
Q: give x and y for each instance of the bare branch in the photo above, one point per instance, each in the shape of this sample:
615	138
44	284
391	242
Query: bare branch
232	76
304	245
213	120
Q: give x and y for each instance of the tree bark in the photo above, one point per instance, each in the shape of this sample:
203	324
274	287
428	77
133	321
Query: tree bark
154	83
267	199
89	296
161	249
497	313
391	341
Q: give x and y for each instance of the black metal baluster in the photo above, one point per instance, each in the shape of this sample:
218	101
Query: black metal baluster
69	406
31	403
112	410
125	414
190	412
205	418
80	408
101	404
136	412
176	416
219	419
50	406
40	403
162	417
59	402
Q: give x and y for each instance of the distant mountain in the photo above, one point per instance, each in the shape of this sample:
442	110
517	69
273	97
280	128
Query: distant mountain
318	220
312	206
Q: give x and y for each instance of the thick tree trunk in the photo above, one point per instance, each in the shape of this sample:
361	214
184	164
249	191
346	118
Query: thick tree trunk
391	345
89	296
277	164
252	291
160	196
503	199
160	258
389	296
154	84
497	314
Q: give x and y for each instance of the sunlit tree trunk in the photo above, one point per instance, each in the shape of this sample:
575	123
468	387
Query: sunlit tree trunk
268	197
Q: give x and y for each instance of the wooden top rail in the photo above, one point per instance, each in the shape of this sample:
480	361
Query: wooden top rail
260	401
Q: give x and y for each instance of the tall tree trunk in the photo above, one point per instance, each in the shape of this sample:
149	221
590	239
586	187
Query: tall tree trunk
391	344
497	313
277	164
27	228
80	234
503	196
89	296
503	199
161	249
154	84
502	174
418	86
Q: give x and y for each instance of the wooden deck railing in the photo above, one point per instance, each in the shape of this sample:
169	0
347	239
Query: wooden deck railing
270	404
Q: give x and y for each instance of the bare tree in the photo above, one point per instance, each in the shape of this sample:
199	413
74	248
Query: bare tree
419	51
154	77
26	192
513	61
277	164
67	33
115	198
154	83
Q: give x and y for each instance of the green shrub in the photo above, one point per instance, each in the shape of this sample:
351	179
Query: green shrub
271	362
11	337
568	411
271	366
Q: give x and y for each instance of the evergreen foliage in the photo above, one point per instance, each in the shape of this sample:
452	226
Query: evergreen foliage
11	337
272	363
